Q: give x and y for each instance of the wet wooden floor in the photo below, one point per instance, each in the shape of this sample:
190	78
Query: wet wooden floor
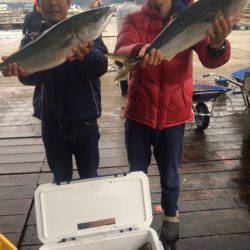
215	184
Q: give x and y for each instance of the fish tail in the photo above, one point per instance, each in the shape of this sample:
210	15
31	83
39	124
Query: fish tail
126	63
2	66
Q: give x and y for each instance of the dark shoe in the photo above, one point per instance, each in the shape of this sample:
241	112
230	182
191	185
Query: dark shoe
170	232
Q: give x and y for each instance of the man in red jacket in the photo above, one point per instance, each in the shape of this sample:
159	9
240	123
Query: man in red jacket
159	99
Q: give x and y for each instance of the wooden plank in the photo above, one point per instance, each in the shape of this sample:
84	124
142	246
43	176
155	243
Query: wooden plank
113	116
188	181
17	192
20	134
200	195
25	120
200	155
213	166
22	149
118	152
114	152
30	237
115	124
32	217
213	146
185	168
196	155
18	180
35	130
11	109
203	181
118	142
218	242
21	141
12	224
21	158
20	129
204	205
18	168
188	157
48	177
15	207
32	220
36	247
216	222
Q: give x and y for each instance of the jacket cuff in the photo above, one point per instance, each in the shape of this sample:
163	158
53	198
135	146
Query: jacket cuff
135	50
217	52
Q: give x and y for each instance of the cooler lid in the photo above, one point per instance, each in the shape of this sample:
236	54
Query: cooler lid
92	206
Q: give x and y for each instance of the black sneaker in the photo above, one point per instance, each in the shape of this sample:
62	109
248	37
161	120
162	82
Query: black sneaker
170	232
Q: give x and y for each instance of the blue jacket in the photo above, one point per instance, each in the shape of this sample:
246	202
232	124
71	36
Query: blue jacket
71	91
179	5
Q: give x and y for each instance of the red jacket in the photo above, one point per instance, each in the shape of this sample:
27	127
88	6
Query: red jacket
160	96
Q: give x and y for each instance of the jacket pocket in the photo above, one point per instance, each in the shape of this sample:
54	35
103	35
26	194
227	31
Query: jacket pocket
180	105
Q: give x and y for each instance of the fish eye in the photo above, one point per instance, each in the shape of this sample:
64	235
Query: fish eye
94	18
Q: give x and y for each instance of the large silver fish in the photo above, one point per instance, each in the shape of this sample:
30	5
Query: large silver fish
52	47
146	246
189	27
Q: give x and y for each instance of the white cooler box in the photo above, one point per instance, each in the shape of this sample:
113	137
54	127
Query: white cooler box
107	213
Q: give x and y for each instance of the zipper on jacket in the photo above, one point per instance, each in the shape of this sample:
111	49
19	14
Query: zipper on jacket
157	123
42	102
92	90
164	24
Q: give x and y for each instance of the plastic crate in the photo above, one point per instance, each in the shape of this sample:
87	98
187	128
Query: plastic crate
5	244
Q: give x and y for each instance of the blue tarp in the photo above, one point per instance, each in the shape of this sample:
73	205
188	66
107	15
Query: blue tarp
240	75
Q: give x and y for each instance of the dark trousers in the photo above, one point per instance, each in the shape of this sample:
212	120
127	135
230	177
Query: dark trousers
62	143
124	87
167	149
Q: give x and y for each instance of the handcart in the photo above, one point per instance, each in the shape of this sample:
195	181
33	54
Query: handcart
211	93
238	80
206	93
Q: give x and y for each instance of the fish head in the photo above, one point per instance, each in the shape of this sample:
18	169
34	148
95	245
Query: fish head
89	25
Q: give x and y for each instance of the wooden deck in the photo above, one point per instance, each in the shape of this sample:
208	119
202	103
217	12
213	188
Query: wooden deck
214	201
215	171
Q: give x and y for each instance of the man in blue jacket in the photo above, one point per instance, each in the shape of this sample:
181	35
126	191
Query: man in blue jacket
32	23
67	99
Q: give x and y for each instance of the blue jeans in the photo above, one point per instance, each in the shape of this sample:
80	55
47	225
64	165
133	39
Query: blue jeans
62	143
167	148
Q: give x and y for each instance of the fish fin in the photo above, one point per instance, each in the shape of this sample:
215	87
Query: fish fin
124	62
116	57
124	71
2	66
